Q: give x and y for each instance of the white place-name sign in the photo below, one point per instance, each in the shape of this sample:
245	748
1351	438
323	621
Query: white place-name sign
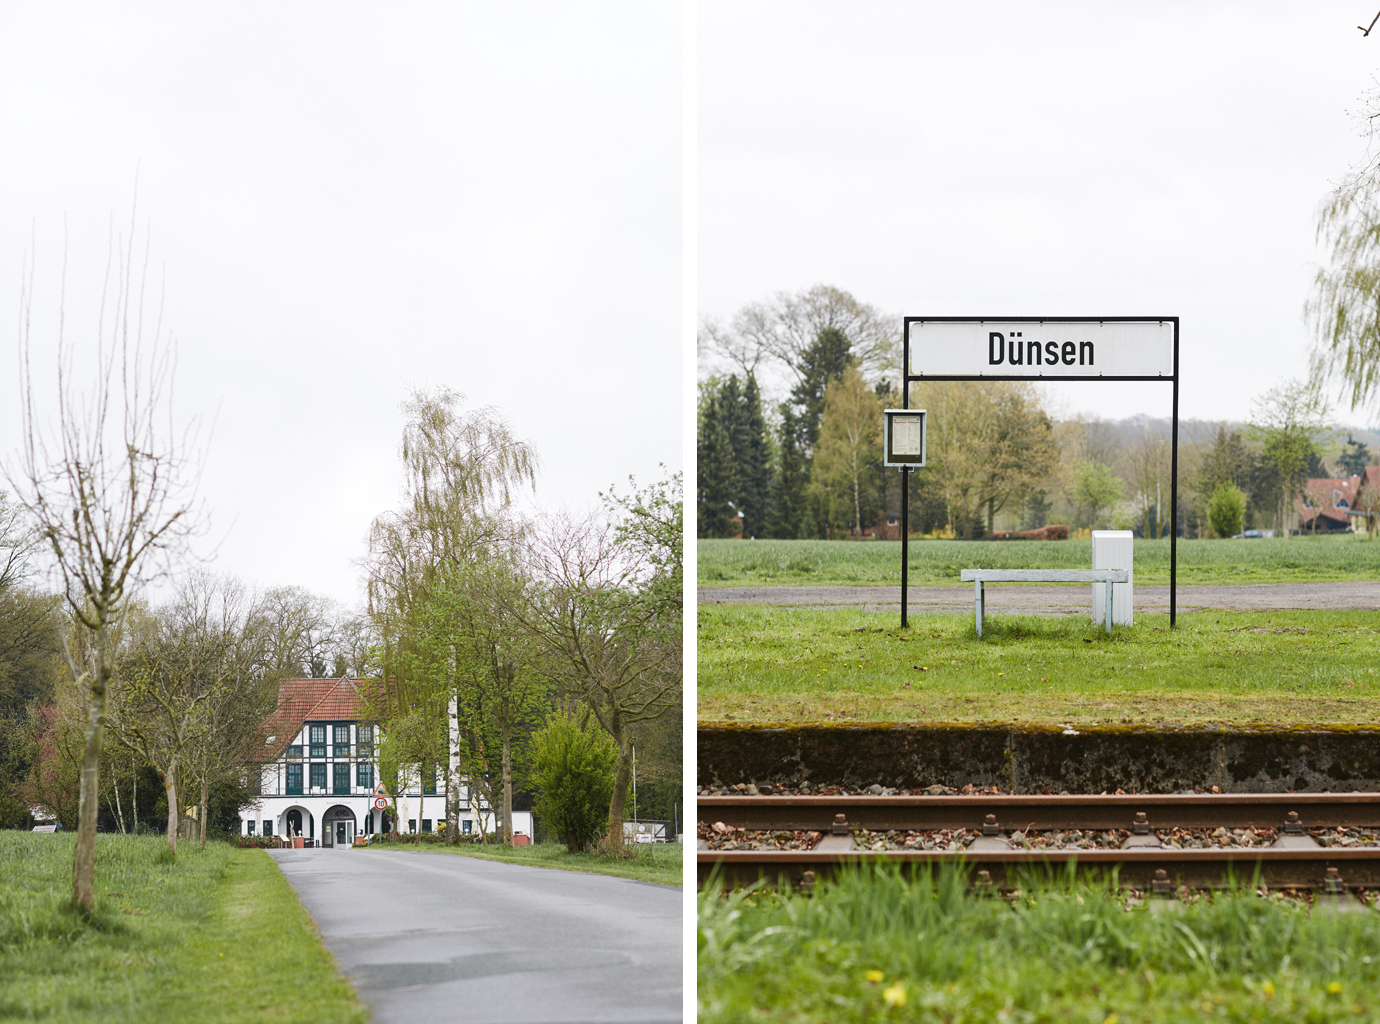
1042	348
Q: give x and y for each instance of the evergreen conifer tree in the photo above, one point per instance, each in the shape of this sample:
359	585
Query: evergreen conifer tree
822	362
716	479
790	509
754	463
1354	460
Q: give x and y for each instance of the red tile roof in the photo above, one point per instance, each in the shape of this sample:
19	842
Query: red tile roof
304	700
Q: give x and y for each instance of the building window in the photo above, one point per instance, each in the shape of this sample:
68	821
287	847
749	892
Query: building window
294	779
411	824
256	782
268	828
342	778
318	776
249	827
466	826
295	752
429	780
364	775
318	741
365	740
426	824
342	741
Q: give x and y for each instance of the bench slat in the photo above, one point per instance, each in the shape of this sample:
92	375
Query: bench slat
1045	575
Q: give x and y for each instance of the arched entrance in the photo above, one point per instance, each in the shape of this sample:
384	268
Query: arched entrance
297	821
338	826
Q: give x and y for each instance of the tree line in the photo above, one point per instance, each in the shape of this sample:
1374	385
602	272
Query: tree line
501	632
488	632
808	462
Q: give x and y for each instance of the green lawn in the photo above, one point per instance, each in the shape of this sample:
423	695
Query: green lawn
759	663
662	863
216	936
882	946
736	563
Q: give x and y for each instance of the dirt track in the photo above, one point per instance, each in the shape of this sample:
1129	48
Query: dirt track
1057	600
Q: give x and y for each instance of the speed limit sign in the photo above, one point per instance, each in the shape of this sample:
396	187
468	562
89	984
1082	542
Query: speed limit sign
380	804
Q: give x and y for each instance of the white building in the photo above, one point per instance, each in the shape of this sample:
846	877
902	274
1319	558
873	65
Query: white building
320	770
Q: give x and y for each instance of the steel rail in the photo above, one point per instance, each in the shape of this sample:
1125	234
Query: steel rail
1043	813
1196	868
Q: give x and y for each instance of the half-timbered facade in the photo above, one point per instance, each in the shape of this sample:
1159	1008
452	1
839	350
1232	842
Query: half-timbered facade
320	770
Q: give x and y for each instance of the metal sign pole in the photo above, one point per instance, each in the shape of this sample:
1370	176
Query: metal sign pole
1174	491
905	475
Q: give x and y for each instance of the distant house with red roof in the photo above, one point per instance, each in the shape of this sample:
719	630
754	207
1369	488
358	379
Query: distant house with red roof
1335	504
319	771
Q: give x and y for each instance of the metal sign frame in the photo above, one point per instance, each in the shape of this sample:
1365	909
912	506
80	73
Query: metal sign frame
890	458
907	377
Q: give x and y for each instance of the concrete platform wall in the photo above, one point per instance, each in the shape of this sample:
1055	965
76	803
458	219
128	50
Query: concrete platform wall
1036	760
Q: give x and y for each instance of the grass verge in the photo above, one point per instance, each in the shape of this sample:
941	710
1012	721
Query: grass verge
759	663
880	945
758	563
216	936
662	863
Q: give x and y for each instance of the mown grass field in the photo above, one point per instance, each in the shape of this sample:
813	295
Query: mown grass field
761	663
216	936
882	946
736	563
662	863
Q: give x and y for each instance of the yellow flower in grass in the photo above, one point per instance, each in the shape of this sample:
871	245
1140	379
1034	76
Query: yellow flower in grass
1334	988
895	995
875	976
1269	989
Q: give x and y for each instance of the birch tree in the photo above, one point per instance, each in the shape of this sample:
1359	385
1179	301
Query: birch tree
433	570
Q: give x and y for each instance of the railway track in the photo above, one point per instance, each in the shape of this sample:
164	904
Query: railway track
1324	841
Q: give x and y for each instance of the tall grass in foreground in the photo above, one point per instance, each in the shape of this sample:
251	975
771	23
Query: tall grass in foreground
725	563
212	935
880	944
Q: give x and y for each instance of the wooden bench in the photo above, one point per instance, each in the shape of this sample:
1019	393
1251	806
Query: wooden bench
981	577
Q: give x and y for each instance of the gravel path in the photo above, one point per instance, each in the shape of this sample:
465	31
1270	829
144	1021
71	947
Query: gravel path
1024	599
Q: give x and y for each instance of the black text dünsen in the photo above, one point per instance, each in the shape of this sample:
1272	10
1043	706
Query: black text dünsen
1015	351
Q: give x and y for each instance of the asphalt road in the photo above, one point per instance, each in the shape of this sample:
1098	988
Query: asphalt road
438	937
1025	599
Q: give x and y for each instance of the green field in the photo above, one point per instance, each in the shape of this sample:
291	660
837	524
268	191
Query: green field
761	663
662	863
216	936
736	563
882	946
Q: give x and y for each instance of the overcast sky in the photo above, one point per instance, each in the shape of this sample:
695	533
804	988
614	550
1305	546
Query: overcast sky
1041	159
349	202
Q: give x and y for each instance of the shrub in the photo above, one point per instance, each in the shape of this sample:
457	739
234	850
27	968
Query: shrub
1226	510
574	776
1052	532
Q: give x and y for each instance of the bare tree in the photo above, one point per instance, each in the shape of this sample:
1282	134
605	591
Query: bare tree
111	494
218	614
781	331
605	607
17	541
173	681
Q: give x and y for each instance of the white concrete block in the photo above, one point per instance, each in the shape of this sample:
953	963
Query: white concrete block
1112	549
